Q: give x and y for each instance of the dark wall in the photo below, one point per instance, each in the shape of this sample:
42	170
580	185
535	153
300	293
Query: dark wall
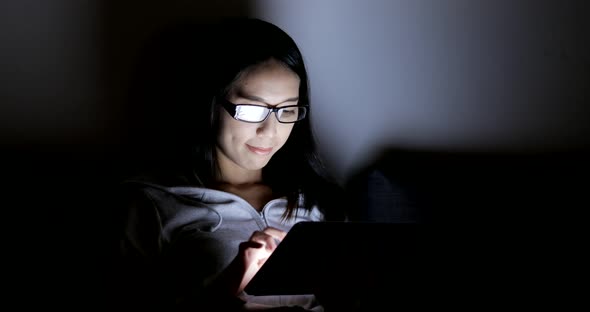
62	169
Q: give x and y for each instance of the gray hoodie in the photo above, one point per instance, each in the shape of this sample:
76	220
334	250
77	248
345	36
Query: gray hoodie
197	231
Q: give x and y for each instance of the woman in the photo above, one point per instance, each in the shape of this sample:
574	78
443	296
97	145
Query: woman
255	173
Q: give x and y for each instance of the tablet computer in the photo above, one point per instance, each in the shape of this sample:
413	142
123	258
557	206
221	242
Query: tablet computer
316	255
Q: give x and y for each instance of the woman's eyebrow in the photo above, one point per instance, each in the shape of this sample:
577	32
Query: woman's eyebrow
258	99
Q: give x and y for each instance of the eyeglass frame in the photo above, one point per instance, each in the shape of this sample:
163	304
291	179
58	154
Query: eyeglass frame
231	109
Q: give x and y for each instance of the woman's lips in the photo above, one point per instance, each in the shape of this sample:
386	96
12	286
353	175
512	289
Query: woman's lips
259	150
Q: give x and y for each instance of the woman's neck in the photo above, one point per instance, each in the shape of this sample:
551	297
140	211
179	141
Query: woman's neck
244	178
230	173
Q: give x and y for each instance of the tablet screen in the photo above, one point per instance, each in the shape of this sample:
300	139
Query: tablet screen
320	254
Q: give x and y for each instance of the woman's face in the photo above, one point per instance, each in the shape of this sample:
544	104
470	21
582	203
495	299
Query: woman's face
250	146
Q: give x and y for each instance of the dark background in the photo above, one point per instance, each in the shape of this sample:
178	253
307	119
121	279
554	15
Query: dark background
74	123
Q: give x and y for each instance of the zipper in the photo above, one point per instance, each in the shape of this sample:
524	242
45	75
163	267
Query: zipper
262	211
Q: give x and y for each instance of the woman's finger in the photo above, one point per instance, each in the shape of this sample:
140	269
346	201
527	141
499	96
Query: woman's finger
275	233
268	242
256	251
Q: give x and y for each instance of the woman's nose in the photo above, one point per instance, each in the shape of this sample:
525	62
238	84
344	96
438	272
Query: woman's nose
269	126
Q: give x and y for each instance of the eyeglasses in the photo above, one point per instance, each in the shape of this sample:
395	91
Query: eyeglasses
257	113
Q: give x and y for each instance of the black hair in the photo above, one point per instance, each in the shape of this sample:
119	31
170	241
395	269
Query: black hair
202	63
238	45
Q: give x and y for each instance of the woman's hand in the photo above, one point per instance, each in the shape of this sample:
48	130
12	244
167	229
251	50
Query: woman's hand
251	256
254	252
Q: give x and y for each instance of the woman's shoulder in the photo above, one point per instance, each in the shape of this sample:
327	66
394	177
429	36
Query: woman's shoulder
155	181
330	197
170	206
165	194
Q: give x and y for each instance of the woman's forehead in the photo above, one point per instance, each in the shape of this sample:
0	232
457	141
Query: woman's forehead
267	83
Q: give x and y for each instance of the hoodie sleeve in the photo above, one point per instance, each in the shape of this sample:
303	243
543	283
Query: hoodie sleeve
139	278
162	275
142	227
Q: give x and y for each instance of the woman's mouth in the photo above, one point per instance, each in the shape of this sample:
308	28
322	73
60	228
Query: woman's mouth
259	150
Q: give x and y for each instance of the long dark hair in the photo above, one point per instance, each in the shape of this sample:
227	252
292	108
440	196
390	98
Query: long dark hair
237	45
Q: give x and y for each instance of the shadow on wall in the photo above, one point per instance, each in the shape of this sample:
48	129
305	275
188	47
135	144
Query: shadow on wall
167	92
65	219
155	60
471	188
